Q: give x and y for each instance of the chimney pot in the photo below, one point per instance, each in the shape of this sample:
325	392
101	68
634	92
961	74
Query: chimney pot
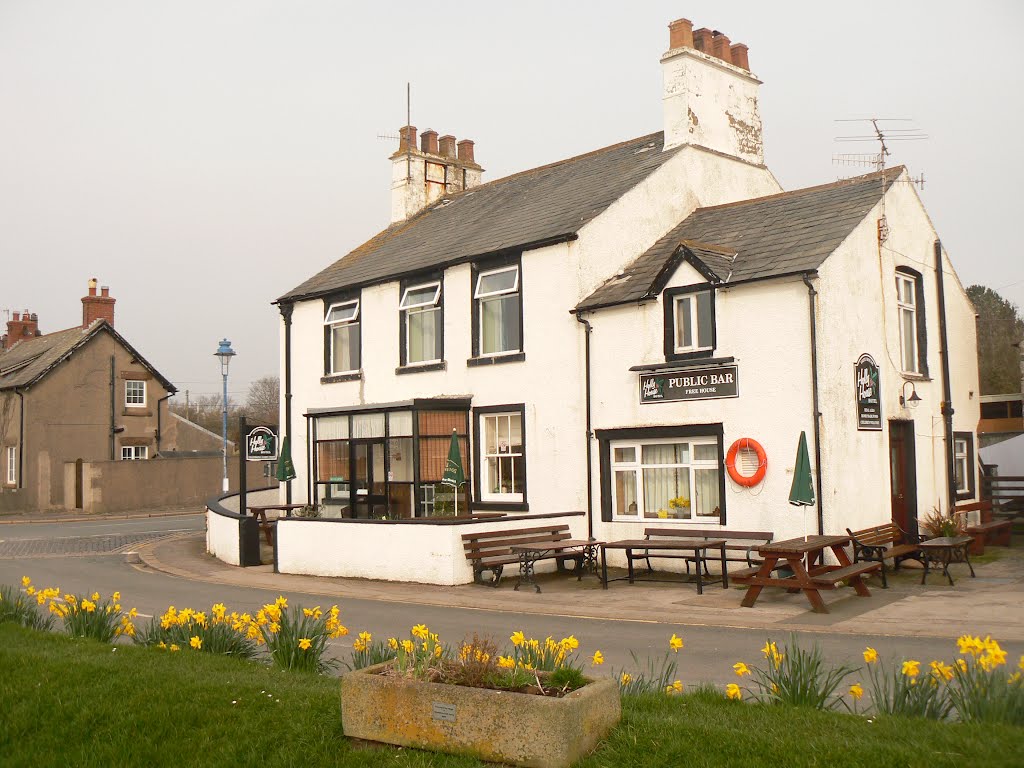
428	142
739	55
466	151
680	34
406	138
17	317
97	307
702	40
447	144
720	47
105	290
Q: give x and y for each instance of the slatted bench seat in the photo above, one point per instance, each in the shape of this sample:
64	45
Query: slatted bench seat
994	532
882	543
837	575
490	551
740	547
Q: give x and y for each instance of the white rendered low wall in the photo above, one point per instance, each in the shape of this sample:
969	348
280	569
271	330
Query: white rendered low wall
410	552
222	537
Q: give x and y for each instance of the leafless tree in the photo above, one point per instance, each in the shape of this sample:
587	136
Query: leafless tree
263	401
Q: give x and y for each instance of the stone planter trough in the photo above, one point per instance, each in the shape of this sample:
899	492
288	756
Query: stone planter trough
500	726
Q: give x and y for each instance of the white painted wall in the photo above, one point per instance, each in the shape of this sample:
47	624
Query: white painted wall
222	537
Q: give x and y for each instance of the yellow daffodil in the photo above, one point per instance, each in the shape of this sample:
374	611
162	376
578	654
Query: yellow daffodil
675	643
393	643
626	679
597	659
1020	664
911	668
174	647
997	655
281	602
88	606
305	643
408	646
506	662
26	581
675	687
941	671
420	631
870	655
196	642
162	645
732	691
366	637
116	597
307	612
741	668
95	595
1014	678
961	664
30	591
571	643
518	638
856	691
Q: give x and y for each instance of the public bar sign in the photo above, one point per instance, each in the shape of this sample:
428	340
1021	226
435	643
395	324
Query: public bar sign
260	444
690	384
869	401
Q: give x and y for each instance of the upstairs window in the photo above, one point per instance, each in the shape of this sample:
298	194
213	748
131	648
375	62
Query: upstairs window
910	308
341	324
135	393
422	324
689	322
498	315
134	452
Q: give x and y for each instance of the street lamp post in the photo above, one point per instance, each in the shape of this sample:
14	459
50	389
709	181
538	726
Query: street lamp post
225	353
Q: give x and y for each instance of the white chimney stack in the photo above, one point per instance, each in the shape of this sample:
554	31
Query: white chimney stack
710	96
420	175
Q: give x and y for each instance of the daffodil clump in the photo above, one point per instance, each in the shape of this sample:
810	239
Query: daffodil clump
297	637
420	655
542	655
981	685
23	606
366	652
218	632
92	615
655	677
790	675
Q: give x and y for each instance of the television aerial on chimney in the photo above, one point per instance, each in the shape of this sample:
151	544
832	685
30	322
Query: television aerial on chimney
408	143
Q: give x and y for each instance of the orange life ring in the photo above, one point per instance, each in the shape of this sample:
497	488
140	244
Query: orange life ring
762	462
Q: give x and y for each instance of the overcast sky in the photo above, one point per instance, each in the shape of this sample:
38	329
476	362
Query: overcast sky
202	158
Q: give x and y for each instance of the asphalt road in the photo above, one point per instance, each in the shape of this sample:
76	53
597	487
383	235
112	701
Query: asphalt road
89	556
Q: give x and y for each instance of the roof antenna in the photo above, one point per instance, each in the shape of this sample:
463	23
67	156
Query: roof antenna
408	122
882	135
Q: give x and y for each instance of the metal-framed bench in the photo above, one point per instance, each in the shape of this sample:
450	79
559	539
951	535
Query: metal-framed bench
881	543
490	551
740	546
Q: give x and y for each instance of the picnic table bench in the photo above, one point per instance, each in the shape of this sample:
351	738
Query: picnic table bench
884	542
740	546
492	550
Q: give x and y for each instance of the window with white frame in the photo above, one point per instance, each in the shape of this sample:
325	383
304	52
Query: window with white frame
135	393
134	452
421	321
341	323
12	465
497	299
502	459
963	464
911	322
692	321
665	478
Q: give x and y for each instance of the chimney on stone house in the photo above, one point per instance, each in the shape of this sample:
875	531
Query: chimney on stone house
21	327
422	174
710	95
97	307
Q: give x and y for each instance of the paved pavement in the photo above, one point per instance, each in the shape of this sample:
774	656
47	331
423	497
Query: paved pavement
992	603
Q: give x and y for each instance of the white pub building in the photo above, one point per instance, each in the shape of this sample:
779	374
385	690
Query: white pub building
640	333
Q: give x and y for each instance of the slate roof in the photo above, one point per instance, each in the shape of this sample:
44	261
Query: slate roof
30	359
785	233
542	205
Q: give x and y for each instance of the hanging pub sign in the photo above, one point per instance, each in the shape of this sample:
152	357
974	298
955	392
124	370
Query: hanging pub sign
869	402
691	384
260	444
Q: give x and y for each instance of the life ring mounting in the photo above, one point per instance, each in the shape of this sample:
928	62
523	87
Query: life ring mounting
746	443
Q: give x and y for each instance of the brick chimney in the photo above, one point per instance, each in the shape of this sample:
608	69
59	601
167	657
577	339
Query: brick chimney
21	326
710	95
421	175
97	307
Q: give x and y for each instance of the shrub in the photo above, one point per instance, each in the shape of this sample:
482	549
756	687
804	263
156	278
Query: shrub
24	609
297	637
222	633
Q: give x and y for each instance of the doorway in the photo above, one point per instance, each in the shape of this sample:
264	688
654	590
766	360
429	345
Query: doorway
903	475
369	479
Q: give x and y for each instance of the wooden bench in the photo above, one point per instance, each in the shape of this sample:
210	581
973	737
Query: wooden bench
834	576
881	543
491	550
987	531
741	546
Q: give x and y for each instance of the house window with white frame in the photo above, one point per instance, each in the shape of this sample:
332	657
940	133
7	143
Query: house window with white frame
134	452
502	457
911	322
135	393
341	323
689	321
963	464
499	320
665	478
421	323
12	465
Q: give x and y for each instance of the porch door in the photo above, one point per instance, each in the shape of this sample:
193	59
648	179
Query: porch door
903	475
369	479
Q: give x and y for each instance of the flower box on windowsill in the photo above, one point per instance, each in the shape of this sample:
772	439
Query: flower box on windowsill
499	726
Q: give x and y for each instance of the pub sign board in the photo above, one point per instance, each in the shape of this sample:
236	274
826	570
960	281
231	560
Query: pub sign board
690	384
869	401
260	444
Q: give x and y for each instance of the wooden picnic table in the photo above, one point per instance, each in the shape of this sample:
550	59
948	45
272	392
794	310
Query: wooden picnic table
945	550
259	511
530	553
810	578
699	547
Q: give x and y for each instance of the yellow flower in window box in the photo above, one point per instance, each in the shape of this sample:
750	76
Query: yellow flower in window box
679	502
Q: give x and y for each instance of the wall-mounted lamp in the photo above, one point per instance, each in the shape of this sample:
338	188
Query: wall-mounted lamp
914	398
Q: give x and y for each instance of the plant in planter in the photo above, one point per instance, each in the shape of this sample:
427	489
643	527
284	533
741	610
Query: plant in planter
936	524
461	701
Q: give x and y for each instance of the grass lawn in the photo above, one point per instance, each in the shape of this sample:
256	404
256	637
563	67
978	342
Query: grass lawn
80	703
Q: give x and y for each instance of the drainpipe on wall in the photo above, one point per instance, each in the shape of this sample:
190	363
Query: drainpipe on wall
815	413
947	397
590	435
113	394
159	431
21	440
286	313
